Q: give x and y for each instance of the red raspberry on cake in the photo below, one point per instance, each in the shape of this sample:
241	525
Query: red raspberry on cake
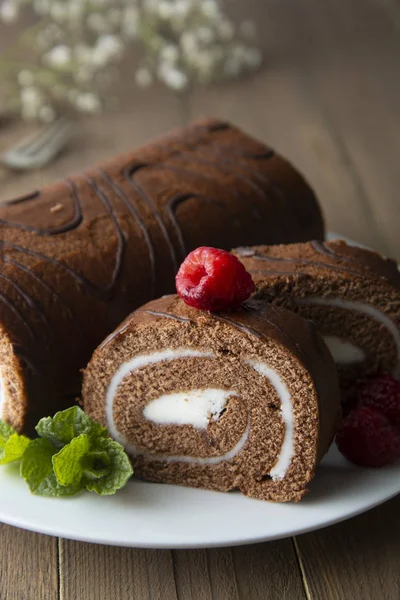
213	279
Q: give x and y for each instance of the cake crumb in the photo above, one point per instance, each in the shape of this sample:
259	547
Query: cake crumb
56	208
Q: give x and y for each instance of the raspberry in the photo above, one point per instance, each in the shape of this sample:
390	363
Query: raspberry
383	395
212	279
368	439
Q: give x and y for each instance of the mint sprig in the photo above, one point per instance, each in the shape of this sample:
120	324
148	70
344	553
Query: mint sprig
72	453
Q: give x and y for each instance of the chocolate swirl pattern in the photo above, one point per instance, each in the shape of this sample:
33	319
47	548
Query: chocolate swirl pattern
215	401
79	255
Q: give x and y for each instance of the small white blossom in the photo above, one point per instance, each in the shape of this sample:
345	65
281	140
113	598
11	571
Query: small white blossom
108	47
189	43
253	57
210	9
46	114
165	9
8	11
59	56
173	78
169	53
25	77
143	77
30	96
88	102
205	35
130	20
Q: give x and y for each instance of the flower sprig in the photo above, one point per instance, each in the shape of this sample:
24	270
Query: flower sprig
77	45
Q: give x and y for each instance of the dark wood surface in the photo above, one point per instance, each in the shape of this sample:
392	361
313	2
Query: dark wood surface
328	98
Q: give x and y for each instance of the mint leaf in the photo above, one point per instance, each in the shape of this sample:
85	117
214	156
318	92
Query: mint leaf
6	431
37	470
67	425
14	448
120	469
67	463
96	465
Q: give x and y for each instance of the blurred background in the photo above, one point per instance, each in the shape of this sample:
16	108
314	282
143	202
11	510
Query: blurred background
318	80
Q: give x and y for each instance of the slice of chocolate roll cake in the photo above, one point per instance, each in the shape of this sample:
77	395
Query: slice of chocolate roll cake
246	399
351	294
79	255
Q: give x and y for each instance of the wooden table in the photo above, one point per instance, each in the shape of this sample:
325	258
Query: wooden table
329	99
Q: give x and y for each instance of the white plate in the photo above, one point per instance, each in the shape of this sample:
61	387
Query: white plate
147	515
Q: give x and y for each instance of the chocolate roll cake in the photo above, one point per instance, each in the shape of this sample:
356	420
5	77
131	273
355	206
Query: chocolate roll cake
79	255
351	294
243	400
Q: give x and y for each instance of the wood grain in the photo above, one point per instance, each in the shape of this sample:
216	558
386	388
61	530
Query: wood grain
356	559
91	572
28	565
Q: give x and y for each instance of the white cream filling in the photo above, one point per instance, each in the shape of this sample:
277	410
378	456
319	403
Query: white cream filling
173	409
343	351
195	407
286	454
136	363
362	307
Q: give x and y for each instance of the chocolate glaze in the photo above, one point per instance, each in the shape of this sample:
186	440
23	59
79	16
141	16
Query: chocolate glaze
73	273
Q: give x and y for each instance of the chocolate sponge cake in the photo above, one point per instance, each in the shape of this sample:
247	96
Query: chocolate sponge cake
351	294
79	255
245	400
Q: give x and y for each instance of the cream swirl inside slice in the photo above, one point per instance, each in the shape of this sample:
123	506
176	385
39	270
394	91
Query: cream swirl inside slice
343	351
363	308
196	407
286	454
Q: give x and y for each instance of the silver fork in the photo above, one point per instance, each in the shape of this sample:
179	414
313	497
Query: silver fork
41	148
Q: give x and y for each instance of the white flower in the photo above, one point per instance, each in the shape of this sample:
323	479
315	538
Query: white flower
108	47
189	43
205	35
59	56
8	11
181	8
210	9
25	77
30	96
253	57
169	53
143	77
173	78
165	9
88	102
130	20
31	101
47	114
